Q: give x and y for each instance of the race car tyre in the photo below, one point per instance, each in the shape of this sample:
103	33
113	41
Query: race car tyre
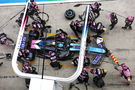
69	14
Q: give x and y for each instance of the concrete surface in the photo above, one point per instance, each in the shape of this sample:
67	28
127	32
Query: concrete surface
121	42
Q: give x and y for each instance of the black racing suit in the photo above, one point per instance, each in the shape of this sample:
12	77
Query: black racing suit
86	61
31	70
54	63
25	54
114	21
39	24
60	38
76	27
99	28
100	73
128	24
60	33
92	25
32	10
84	77
97	9
19	20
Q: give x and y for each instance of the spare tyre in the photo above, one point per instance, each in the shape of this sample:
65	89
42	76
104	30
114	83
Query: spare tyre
69	14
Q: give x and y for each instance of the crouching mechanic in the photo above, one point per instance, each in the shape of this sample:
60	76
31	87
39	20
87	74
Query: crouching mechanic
32	9
125	72
99	74
84	77
27	68
96	9
3	38
60	35
54	63
61	40
100	28
76	26
86	61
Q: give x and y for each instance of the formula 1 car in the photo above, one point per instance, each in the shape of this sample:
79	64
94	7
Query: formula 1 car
45	45
63	48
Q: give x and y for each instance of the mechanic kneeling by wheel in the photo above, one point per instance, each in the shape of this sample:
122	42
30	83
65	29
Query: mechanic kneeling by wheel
54	63
60	35
83	77
61	39
99	74
86	61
